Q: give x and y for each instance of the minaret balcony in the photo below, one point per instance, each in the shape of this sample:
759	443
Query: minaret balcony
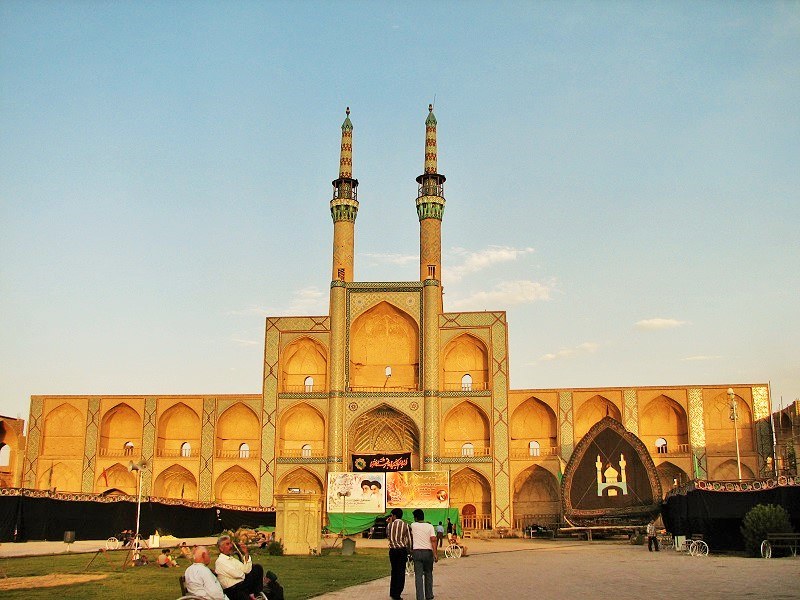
430	189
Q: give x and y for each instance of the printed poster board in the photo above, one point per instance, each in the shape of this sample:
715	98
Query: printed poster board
356	492
418	489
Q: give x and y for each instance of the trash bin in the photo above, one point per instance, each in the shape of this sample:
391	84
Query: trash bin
348	546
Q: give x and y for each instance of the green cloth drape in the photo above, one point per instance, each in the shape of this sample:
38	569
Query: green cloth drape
351	523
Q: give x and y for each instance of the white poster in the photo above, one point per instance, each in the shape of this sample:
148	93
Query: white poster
356	492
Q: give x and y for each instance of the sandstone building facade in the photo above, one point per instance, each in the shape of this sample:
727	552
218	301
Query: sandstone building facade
387	370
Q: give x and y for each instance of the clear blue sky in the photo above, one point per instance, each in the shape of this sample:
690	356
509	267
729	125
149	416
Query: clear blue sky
622	177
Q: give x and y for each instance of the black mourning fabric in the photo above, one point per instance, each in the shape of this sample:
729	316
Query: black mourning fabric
609	445
717	516
23	518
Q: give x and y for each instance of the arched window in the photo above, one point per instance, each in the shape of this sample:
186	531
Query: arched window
306	450
5	455
467	449
186	449
466	383
661	446
309	384
533	448
128	448
244	451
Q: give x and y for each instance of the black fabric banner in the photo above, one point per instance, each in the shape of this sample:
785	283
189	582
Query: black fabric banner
25	518
718	515
382	463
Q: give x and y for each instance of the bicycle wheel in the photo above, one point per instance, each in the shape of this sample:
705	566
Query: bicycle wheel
700	548
766	549
410	566
112	543
448	552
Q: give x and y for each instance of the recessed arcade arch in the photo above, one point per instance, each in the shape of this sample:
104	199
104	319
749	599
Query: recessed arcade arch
464	356
304	358
533	421
179	425
535	495
385	430
664	418
175	482
301	479
728	471
236	426
301	425
384	336
236	486
471	494
720	437
592	411
119	426
466	423
64	430
116	477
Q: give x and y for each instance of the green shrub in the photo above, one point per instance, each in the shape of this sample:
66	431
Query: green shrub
275	548
761	520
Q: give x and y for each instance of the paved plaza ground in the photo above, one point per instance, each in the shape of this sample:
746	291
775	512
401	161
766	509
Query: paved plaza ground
562	570
576	570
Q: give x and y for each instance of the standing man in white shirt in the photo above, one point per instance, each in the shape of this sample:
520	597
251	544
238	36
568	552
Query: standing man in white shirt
200	581
424	551
239	577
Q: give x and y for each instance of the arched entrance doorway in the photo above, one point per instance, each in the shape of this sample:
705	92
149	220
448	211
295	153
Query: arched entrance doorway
384	430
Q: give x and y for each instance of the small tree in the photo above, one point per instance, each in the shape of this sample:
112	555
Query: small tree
761	520
791	459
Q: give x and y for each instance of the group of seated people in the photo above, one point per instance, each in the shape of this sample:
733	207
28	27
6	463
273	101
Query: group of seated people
235	576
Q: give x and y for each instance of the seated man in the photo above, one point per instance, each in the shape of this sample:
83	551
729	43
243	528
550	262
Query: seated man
200	581
186	552
239	577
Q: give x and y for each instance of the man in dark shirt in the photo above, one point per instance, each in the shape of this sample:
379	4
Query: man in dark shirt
399	536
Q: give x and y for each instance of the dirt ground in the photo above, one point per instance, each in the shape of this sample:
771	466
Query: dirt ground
41	581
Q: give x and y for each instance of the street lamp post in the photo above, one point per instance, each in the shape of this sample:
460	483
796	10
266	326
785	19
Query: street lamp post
343	496
734	416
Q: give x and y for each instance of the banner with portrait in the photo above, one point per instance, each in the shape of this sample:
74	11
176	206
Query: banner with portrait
382	462
356	492
418	489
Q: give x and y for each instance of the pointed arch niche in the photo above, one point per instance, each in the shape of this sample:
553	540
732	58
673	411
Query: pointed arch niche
536	497
304	367
236	426
301	479
116	477
664	419
471	494
465	364
8	454
177	427
533	421
175	482
300	426
720	437
727	471
64	431
670	475
236	486
384	429
119	427
60	476
592	411
466	424
384	337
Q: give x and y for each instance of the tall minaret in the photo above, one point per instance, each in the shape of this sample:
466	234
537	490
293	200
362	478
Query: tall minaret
344	208
430	208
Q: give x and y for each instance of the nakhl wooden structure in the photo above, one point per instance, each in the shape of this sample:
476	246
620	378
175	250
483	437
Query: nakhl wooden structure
610	479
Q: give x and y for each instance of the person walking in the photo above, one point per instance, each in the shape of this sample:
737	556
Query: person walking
439	534
424	551
652	538
399	536
450	530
